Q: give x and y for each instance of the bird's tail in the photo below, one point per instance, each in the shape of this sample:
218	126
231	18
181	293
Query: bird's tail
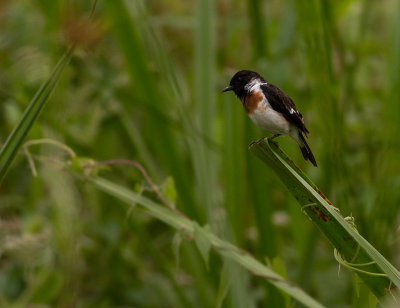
305	149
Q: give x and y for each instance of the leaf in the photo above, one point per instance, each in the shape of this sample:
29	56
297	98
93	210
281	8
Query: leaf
372	300
169	190
357	283
48	288
203	242
223	287
15	139
222	247
279	267
339	232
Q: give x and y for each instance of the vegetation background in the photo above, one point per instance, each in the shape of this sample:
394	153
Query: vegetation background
144	85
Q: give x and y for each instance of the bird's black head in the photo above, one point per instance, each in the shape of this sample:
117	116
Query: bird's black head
240	80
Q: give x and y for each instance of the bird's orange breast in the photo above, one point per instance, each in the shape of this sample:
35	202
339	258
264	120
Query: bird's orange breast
250	102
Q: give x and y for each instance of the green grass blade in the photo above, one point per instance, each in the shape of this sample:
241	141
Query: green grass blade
15	139
224	248
205	161
340	233
258	32
137	58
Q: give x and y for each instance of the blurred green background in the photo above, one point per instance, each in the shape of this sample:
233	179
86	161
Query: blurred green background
145	85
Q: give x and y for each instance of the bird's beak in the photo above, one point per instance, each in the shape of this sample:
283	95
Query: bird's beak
228	88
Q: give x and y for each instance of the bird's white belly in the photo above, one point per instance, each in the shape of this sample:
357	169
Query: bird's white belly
268	119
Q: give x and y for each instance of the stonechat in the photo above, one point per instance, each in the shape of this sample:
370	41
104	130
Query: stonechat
270	109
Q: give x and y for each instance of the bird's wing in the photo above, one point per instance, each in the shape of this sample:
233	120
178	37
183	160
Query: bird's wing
282	103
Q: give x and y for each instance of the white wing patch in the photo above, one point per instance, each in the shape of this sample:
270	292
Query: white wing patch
292	111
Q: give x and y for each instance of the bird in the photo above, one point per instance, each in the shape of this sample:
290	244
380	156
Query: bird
270	108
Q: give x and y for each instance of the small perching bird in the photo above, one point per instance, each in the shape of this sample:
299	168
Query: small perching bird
270	109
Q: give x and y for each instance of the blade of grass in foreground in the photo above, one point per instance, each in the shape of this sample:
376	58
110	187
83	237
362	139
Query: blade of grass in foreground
359	255
225	249
15	139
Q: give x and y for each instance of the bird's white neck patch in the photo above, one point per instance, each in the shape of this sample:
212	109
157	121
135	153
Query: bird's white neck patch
254	85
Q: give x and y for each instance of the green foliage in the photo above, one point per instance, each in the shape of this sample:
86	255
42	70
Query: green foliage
144	84
204	240
366	261
14	141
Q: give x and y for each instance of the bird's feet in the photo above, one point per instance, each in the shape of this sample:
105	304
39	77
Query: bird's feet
273	137
256	142
263	138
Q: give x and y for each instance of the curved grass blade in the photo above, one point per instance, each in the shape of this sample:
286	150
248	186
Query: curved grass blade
376	272
224	248
15	139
